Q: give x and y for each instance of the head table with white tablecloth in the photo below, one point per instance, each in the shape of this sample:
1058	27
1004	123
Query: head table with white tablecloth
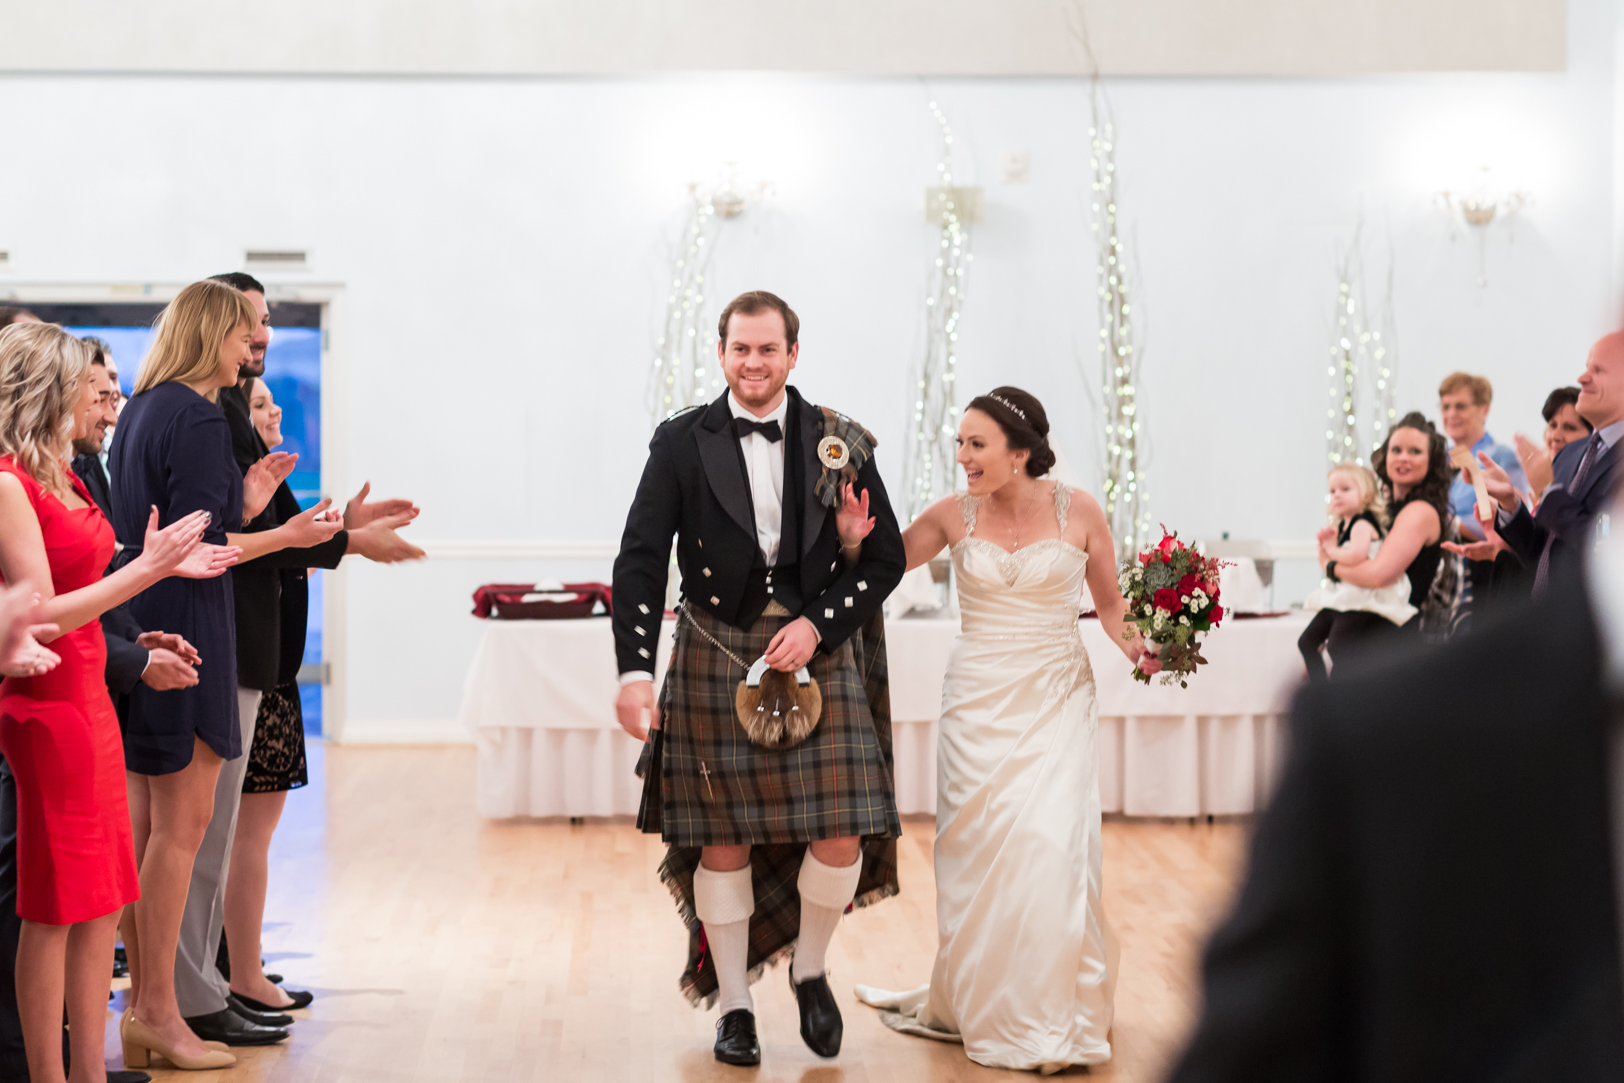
540	695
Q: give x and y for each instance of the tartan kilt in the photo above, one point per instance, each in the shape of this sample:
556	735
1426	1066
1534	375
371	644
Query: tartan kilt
835	784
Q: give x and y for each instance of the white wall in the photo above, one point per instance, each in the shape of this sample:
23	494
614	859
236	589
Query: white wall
500	244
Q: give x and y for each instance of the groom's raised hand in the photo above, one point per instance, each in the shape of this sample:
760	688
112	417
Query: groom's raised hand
635	698
852	519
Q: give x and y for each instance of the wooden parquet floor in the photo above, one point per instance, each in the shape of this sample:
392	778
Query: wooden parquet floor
446	948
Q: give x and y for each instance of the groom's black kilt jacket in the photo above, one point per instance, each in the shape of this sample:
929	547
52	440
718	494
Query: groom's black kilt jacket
695	487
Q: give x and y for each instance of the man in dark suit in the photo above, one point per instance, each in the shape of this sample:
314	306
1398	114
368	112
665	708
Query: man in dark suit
1433	893
160	661
1581	479
768	844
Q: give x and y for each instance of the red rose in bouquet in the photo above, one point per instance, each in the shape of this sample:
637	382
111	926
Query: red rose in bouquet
1172	595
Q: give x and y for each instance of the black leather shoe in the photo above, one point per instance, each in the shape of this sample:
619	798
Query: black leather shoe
127	1076
736	1038
301	999
821	1027
265	1019
227	1026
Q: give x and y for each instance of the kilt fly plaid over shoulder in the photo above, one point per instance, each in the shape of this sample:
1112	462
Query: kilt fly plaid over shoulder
705	783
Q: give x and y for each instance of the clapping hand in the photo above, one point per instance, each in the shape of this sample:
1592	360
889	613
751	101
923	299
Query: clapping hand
164	551
1536	464
313	527
378	542
20	652
260	483
171	642
167	670
852	519
358	513
1498	482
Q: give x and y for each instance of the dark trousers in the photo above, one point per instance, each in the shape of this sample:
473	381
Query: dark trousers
13	1061
1346	634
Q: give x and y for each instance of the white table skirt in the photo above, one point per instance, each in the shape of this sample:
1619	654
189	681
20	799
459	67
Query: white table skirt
539	701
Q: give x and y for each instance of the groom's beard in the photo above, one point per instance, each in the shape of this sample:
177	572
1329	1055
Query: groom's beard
756	402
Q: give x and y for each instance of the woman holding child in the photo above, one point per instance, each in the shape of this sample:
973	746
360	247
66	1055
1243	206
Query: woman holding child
1368	597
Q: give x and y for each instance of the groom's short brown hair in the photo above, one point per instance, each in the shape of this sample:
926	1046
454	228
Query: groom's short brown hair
754	302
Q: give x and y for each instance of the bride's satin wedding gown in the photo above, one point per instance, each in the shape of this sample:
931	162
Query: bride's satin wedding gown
1026	968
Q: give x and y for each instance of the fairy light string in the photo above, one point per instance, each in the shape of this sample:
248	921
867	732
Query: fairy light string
930	453
1123	484
1363	403
685	371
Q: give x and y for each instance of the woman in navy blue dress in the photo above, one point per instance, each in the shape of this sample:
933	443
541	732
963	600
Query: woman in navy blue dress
173	452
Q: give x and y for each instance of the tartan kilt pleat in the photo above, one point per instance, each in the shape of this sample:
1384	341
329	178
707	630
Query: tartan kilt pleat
835	784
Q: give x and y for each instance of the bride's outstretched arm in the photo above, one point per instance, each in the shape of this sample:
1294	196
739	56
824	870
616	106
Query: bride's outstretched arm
1109	604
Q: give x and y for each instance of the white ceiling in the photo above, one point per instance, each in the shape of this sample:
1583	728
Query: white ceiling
861	37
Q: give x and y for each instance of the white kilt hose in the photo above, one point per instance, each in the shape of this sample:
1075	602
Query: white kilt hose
705	783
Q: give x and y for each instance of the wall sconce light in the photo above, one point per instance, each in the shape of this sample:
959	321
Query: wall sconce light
729	197
1479	206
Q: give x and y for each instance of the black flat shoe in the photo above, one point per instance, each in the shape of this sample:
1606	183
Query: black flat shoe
736	1038
821	1027
227	1026
127	1076
301	999
273	1018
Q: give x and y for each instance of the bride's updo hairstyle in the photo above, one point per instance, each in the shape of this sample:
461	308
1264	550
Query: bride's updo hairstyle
1025	425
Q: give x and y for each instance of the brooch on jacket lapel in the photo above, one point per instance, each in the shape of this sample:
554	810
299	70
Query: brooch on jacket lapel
843	449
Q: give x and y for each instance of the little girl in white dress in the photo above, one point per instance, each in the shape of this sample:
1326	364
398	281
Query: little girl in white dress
1346	612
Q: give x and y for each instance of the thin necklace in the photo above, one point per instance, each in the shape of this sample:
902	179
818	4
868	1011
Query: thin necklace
1031	510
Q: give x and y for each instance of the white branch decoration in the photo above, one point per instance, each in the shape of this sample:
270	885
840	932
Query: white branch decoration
686	372
1363	403
1121	357
931	451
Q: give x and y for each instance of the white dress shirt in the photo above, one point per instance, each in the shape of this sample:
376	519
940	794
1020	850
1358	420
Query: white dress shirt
764	462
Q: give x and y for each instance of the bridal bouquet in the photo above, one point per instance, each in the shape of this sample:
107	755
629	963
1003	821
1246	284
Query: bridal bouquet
1172	595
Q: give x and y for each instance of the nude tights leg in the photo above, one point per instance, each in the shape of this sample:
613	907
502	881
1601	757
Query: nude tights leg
180	807
245	895
59	964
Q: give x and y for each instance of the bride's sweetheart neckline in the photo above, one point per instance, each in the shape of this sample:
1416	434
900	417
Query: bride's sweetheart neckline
1011	554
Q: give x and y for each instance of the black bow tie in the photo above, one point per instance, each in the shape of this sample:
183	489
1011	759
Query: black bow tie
743	426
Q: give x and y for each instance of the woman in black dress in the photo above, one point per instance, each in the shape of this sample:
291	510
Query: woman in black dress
173	452
1415	474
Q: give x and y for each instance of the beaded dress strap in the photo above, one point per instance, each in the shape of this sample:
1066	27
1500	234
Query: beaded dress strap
1062	504
967	508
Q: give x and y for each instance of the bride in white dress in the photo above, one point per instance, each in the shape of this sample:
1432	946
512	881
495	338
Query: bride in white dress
1026	967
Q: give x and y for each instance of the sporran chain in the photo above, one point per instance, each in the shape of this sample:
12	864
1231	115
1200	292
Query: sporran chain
689	617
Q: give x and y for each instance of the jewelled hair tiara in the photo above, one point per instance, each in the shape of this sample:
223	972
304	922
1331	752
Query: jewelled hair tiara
1010	406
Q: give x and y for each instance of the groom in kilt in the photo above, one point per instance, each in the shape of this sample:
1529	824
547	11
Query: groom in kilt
770	838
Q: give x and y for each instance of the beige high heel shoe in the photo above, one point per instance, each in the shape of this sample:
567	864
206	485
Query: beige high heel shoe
129	1014
141	1043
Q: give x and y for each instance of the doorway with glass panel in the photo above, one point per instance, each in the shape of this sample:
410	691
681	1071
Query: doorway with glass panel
293	374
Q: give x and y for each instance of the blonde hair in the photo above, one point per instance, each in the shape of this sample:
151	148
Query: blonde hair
41	370
1370	491
190	330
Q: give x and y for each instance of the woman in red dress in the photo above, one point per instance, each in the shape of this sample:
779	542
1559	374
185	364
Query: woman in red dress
58	732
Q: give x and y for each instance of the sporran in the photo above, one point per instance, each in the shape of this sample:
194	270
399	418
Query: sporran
777	710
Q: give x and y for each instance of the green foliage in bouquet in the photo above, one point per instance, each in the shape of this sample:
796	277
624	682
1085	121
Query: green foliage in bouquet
1172	594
